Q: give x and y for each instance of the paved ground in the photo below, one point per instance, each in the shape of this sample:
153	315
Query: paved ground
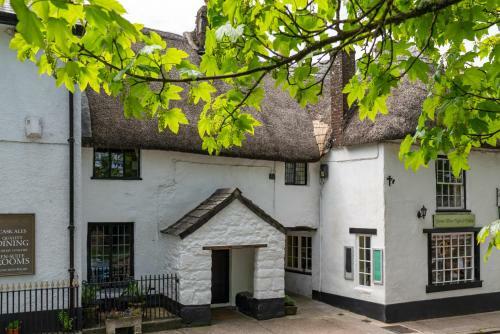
318	318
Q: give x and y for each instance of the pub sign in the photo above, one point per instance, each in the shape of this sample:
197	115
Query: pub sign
17	244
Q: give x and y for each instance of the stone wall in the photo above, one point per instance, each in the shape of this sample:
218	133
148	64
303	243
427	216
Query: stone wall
235	225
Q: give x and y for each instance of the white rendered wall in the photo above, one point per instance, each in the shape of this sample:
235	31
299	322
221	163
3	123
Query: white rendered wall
174	183
298	283
34	173
406	245
352	196
241	272
235	225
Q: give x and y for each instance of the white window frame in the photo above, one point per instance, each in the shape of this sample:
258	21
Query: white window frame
365	273
300	258
454	263
452	183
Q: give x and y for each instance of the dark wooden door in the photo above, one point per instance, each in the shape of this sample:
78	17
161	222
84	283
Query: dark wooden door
220	276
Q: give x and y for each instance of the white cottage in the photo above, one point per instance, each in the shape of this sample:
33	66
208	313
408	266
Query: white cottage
316	203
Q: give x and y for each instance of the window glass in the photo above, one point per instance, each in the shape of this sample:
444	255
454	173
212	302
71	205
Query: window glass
449	189
364	254
296	173
117	164
452	258
110	253
299	253
101	164
131	164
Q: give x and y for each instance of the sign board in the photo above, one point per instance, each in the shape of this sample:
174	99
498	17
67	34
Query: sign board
378	263
454	220
17	244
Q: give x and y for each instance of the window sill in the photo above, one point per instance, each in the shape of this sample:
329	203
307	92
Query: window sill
296	271
456	286
117	178
293	184
363	289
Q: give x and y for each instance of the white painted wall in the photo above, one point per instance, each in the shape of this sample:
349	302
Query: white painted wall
234	225
298	283
351	197
174	183
241	272
34	173
406	245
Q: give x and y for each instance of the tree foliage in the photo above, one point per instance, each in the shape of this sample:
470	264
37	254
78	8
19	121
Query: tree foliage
451	46
88	43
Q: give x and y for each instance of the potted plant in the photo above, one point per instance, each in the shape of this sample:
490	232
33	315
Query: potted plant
134	297
66	321
89	304
13	327
290	306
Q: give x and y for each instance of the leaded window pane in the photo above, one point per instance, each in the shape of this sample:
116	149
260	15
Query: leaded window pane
111	252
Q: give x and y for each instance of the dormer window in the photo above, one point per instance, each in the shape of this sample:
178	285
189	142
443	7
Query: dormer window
450	190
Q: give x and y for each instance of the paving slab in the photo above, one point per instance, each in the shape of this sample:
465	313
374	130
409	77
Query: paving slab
314	317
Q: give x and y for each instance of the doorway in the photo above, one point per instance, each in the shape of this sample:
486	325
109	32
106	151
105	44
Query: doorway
220	276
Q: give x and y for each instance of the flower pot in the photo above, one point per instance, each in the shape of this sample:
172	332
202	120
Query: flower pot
290	310
12	331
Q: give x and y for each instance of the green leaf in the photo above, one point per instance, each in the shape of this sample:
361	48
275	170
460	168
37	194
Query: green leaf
29	25
171	119
418	69
202	91
111	5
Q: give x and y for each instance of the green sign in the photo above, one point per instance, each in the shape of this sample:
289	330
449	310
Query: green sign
378	264
454	220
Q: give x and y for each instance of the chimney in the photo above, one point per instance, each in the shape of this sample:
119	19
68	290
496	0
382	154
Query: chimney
201	29
343	69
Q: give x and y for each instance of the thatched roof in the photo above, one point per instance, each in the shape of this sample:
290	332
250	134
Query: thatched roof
207	209
289	132
404	104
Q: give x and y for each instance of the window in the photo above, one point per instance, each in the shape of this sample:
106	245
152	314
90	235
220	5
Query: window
452	258
450	190
299	253
110	252
364	256
116	164
296	173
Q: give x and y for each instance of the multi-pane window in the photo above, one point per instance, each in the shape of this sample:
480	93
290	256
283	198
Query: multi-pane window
116	164
110	252
450	190
296	173
364	257
299	253
452	258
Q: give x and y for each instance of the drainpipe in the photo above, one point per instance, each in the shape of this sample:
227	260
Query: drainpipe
71	225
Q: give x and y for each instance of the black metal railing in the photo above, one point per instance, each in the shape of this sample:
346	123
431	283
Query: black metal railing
153	296
40	307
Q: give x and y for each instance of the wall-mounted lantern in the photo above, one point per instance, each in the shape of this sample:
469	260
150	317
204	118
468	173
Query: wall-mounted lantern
391	180
323	171
422	212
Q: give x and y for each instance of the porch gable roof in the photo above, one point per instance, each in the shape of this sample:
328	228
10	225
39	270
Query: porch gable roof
207	209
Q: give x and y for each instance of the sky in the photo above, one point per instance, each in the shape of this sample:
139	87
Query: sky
175	16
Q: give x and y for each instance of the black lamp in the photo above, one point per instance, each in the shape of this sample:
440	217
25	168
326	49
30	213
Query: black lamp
422	212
